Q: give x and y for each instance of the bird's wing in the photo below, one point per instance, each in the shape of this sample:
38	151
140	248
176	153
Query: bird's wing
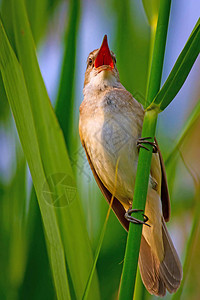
164	188
116	205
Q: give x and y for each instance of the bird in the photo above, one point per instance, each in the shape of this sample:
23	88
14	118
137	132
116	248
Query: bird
110	126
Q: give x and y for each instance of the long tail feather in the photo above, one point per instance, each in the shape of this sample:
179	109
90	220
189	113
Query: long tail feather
170	267
159	276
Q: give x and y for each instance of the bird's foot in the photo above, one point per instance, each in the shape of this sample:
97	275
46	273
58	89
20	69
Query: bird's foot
134	220
142	141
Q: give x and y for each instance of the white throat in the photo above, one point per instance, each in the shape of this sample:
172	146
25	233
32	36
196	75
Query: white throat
100	82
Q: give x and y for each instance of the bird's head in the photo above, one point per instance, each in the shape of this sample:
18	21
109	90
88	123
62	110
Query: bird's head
101	67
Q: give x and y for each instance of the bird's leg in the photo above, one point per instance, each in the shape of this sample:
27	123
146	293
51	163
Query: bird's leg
142	141
134	220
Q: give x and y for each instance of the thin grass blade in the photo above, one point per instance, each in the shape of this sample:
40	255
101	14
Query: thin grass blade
151	9
132	48
38	12
65	100
19	102
86	292
140	290
55	160
188	126
37	283
180	70
190	246
158	52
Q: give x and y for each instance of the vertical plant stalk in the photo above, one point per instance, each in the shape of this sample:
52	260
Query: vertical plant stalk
144	161
140	291
159	50
153	27
139	200
64	104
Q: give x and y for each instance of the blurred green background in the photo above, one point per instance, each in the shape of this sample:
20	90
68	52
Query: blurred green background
64	33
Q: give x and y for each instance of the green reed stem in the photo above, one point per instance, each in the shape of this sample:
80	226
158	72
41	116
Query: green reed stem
144	162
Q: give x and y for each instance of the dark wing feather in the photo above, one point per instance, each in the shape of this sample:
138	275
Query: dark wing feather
164	188
116	205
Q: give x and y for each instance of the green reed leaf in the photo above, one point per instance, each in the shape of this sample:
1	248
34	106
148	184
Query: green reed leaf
17	95
180	70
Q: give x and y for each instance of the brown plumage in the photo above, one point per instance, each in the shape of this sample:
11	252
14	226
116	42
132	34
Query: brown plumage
110	124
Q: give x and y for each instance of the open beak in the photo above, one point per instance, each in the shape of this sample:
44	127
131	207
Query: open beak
104	56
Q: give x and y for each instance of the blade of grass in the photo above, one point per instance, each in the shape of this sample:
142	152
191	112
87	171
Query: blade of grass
6	19
4	111
65	100
190	245
38	16
140	291
180	70
37	284
19	102
14	238
55	159
85	295
151	9
188	125
173	157
18	237
88	284
132	46
158	51
144	162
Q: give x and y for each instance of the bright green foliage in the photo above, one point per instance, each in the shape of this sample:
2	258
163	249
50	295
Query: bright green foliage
190	246
38	14
132	49
156	65
151	9
139	200
144	162
65	101
180	70
45	250
19	101
172	86
188	126
37	127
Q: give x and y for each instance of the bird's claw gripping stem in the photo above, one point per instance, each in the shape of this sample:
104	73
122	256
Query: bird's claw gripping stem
134	220
142	141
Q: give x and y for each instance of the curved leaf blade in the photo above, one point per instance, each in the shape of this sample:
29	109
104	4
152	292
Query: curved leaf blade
180	70
65	98
151	9
19	102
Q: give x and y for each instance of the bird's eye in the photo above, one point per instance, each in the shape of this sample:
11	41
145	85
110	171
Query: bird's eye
114	58
89	61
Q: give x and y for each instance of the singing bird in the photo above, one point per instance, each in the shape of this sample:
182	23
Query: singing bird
110	126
